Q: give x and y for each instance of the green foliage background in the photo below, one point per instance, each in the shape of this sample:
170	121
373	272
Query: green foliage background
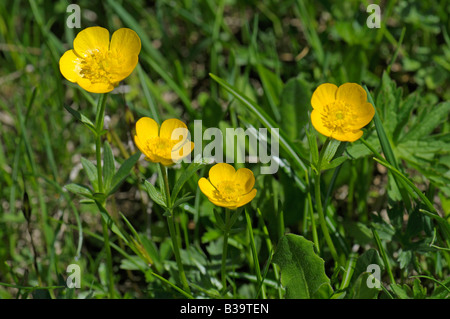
273	54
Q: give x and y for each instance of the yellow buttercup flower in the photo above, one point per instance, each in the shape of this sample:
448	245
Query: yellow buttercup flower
227	187
98	64
166	145
341	112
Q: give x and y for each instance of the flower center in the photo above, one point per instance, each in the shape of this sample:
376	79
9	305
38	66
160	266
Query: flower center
98	66
228	191
338	117
160	147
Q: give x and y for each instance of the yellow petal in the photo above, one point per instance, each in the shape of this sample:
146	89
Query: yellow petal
230	205
174	129
91	40
125	47
125	42
146	128
183	151
124	68
347	136
247	198
139	144
221	172
323	95
363	115
206	187
97	87
316	120
352	93
245	177
69	65
165	161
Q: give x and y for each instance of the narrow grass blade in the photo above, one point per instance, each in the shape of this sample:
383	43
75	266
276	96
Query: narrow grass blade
299	159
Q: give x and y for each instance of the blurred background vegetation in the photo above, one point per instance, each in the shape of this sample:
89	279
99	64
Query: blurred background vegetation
276	53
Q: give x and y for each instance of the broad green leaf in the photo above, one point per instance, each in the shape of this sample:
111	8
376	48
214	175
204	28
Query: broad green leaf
369	257
402	292
108	166
361	290
123	171
91	172
155	195
302	270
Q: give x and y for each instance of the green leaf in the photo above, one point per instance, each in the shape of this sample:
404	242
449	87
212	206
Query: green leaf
182	200
219	220
361	290
331	150
108	166
382	136
79	189
302	271
402	292
186	175
80	117
438	115
110	222
334	163
272	86
313	149
369	257
154	194
294	107
386	146
123	171
91	172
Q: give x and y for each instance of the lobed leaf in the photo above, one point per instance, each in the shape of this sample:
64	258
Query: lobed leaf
302	270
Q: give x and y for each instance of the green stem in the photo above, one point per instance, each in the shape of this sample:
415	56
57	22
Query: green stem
255	255
323	224
312	217
172	231
383	256
108	258
270	249
99	121
318	197
225	249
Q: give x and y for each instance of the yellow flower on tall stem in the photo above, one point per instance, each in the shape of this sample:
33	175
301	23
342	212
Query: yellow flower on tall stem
230	189
341	112
97	63
227	187
166	145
